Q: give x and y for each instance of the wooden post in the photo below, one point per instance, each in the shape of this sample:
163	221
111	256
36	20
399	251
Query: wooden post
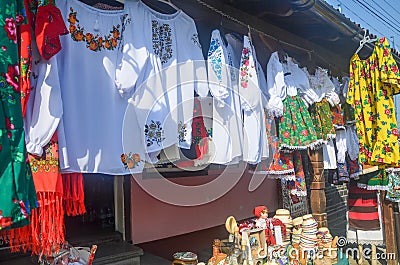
374	255
388	220
360	258
317	196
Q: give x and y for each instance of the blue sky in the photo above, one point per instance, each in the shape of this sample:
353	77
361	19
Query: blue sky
387	10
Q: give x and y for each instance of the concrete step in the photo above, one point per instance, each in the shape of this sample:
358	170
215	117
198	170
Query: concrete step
109	253
118	253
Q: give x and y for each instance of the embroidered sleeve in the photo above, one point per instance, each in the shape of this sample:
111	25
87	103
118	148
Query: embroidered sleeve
389	71
275	85
44	109
200	68
248	79
216	74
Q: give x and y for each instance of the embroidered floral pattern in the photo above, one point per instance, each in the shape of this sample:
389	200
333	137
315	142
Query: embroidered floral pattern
182	132
49	160
131	160
215	57
231	67
197	132
209	133
245	67
372	84
154	133
94	42
195	39
162	41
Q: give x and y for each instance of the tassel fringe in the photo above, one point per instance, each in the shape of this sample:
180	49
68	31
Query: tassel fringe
74	195
46	232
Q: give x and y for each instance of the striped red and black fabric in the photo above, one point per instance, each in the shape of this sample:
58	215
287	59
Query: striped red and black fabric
363	209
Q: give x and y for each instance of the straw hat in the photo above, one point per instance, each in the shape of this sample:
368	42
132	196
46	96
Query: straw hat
324	230
282	212
307	216
231	225
309	223
298	221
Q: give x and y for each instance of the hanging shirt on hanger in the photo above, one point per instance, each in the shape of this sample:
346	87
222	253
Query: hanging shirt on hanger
297	82
223	74
75	93
276	85
161	68
373	82
254	137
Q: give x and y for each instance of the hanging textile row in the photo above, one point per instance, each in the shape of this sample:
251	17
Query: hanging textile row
121	89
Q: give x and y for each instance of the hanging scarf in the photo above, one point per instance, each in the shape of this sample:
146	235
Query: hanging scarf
57	195
47	230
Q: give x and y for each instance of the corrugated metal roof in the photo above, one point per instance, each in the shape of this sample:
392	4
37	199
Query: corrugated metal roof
313	20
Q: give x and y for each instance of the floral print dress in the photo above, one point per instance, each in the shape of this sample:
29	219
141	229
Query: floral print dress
296	130
373	82
16	184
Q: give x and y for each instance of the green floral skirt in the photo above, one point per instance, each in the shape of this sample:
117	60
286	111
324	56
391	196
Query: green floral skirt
321	115
17	191
296	130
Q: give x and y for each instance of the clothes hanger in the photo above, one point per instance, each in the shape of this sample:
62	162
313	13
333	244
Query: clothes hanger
365	40
249	34
115	3
168	2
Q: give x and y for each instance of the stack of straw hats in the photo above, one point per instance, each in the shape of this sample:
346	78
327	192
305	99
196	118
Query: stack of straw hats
296	232
324	238
284	216
308	237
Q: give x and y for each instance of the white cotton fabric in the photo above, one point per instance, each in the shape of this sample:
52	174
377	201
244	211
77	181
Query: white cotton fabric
41	120
332	98
276	85
341	146
337	85
321	83
162	93
345	86
90	111
255	138
227	126
239	131
287	79
329	155
297	81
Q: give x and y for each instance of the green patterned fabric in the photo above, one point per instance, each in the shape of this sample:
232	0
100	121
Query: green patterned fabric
296	130
393	193
376	180
17	192
321	115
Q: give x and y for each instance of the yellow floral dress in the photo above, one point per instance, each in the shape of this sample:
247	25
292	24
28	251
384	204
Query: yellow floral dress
373	82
